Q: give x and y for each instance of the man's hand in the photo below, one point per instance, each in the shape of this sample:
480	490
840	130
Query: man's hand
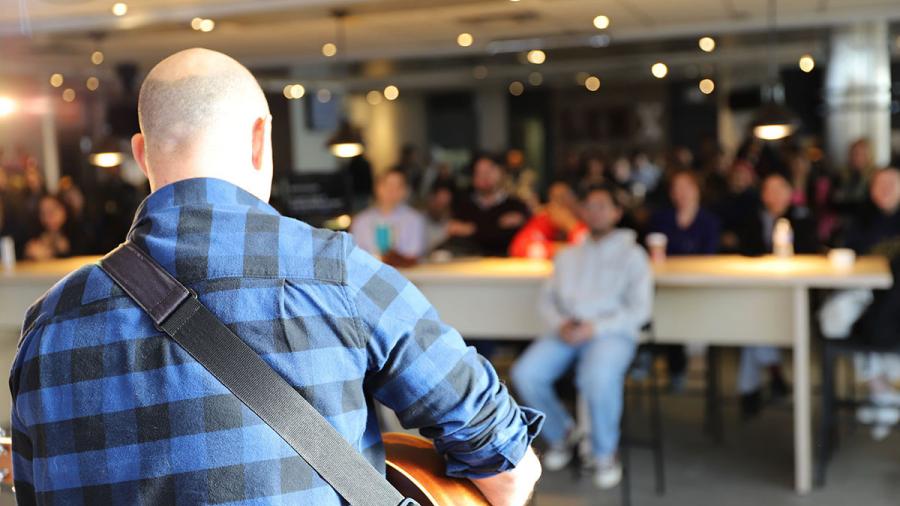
576	332
514	487
512	219
460	228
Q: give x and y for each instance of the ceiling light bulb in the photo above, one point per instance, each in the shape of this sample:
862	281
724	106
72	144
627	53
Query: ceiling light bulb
92	83
120	9
329	49
659	70
707	44
97	57
707	86
516	88
391	92
465	39
56	80
601	22
592	83
807	63
536	56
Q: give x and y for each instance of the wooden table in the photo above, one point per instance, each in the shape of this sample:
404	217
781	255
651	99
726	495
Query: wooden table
721	300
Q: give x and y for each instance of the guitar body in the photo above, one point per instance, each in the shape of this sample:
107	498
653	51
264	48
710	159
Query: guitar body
6	477
417	471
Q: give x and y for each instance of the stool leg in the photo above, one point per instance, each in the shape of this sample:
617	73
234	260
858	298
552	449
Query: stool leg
657	437
624	456
826	416
713	424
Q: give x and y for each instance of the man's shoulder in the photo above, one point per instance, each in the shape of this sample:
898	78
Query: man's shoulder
80	288
312	253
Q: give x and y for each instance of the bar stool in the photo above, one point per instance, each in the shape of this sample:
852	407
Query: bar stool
647	388
831	403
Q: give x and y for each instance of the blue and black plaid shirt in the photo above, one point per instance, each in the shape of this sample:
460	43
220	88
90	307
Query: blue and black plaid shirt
107	410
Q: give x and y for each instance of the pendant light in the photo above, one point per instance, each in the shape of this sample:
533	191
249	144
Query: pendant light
773	121
346	142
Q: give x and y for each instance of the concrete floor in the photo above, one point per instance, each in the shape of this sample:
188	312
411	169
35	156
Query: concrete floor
752	467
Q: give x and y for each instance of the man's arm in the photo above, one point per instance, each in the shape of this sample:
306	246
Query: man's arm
420	368
512	488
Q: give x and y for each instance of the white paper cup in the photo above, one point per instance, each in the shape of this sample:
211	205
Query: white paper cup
842	259
656	244
7	253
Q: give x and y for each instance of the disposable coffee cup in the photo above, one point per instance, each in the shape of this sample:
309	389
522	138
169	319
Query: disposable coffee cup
7	253
656	244
842	259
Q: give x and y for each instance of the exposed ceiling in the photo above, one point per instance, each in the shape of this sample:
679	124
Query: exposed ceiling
39	35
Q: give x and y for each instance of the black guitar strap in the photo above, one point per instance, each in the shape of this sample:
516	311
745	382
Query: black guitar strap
176	311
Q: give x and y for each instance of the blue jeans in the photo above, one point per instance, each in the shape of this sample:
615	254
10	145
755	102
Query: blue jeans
753	360
600	368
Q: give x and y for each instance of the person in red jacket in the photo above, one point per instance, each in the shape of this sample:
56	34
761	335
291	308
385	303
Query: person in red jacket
555	226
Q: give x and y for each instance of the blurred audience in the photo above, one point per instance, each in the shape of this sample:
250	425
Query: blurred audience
555	226
523	180
594	306
852	187
390	228
438	209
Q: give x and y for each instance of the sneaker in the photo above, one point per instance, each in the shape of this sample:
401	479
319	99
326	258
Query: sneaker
608	472
557	457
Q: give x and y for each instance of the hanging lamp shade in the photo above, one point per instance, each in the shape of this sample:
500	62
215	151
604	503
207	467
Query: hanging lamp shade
773	122
346	141
106	153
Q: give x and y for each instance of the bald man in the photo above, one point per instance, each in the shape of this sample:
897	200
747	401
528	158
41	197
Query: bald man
108	410
879	223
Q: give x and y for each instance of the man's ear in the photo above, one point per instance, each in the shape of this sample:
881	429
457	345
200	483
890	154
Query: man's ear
139	149
261	132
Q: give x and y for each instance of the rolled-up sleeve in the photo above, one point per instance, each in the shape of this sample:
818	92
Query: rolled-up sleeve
422	369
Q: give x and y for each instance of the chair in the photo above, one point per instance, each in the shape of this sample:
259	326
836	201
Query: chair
831	403
627	441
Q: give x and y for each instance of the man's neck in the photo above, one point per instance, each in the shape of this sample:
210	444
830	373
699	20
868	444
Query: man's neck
599	235
386	208
487	199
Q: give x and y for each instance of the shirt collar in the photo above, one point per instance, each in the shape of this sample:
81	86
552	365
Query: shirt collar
201	191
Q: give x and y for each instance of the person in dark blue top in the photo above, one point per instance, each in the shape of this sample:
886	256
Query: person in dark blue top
109	411
880	222
690	230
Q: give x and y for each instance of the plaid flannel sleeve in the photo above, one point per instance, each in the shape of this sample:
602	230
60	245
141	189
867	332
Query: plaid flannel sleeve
422	369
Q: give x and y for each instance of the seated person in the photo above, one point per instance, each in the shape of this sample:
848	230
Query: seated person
880	220
390	228
876	232
554	227
756	239
52	241
485	222
690	230
594	306
438	204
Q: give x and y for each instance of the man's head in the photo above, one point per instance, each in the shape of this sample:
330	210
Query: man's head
602	211
685	190
885	190
561	194
487	175
203	114
776	194
52	214
391	189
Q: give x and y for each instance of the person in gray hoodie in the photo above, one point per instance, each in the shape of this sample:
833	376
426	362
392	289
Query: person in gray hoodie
594	305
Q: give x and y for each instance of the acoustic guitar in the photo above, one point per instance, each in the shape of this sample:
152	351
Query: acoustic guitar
6	477
417	471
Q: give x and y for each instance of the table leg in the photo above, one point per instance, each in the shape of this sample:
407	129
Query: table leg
802	410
